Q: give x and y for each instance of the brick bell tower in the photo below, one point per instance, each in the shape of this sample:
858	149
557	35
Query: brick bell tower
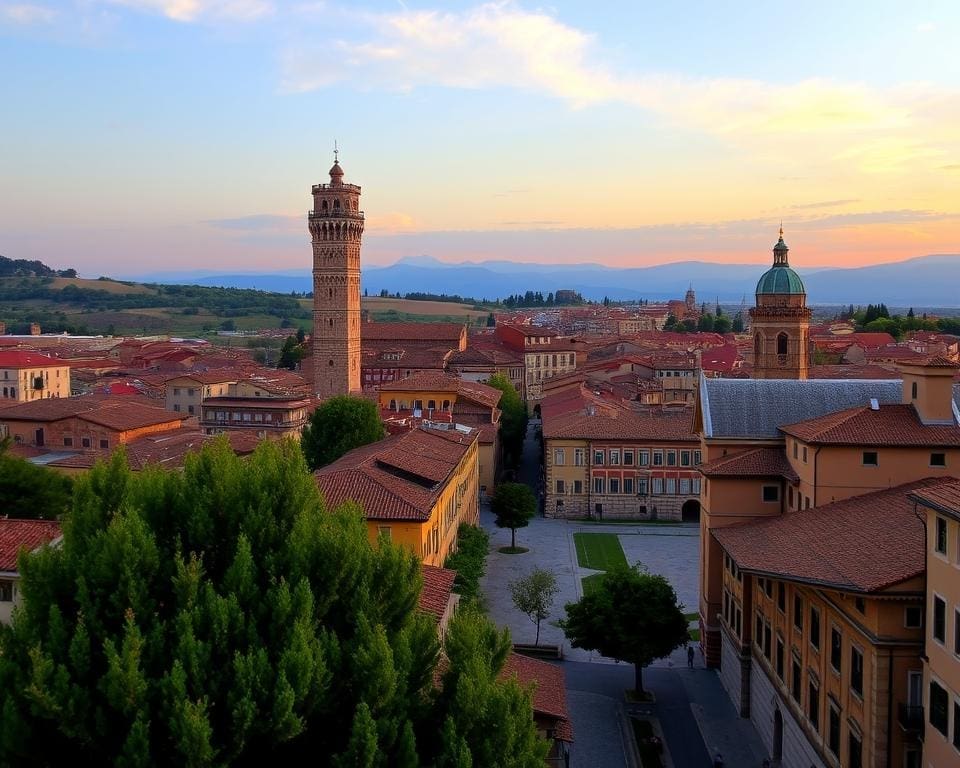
336	227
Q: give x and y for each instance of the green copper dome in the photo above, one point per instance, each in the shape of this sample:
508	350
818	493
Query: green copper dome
780	278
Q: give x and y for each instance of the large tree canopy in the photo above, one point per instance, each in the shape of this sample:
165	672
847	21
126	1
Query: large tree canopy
221	616
338	426
31	492
513	419
631	615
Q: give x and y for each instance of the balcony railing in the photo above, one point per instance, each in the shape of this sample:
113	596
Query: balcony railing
336	213
910	717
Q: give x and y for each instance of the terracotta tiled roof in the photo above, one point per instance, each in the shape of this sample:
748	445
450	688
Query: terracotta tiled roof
759	462
411	331
895	424
208	377
437	381
943	497
130	415
17	359
932	362
621	424
851	372
23	534
437	588
54	408
866	543
550	689
398	478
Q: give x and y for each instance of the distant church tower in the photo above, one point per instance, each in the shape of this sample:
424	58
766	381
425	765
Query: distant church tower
690	302
336	226
780	321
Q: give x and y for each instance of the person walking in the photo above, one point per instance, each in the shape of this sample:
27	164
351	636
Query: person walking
690	656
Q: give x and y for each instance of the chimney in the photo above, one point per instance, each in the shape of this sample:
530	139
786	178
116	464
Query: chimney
928	387
34	329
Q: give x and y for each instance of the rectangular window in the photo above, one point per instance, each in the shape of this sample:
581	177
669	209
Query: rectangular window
781	597
771	493
804	454
833	735
684	486
939	619
384	532
176	392
614	485
644	458
643	486
684	458
913	617
560	486
598	485
68	442
779	660
85	442
628	458
768	587
6	591
671	458
796	447
615	457
104	444
856	671
559	457
578	486
671	486
938	707
798	613
813	704
658	458
628	485
956	631
815	627
598	458
758	635
767	644
578	457
696	486
941	541
870	458
956	724
796	683
938	459
860	604
696	458
856	752
836	649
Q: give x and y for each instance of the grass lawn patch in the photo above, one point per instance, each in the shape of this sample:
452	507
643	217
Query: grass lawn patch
691	616
513	550
599	551
648	743
591	583
695	634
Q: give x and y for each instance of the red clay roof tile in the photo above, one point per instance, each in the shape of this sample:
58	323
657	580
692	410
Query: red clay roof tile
23	534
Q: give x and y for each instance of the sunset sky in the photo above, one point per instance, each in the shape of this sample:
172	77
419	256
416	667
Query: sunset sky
140	136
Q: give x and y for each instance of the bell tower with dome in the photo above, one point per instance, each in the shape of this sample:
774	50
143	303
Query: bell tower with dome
336	227
780	321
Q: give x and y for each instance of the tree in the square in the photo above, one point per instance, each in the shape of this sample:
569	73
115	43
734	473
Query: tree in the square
632	616
533	595
513	504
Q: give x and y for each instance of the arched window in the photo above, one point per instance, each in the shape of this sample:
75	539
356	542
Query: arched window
446	405
431	404
757	346
323	206
393	405
781	343
336	205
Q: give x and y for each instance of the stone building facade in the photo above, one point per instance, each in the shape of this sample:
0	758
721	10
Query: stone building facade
336	228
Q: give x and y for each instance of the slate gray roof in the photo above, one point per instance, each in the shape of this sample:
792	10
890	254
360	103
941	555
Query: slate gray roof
755	408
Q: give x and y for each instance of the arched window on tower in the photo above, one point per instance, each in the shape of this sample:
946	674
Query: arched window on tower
323	206
781	343
757	347
336	205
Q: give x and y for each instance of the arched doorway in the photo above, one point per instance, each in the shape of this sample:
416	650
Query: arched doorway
690	512
777	736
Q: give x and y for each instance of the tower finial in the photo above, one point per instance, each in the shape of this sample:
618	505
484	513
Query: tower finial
781	229
336	160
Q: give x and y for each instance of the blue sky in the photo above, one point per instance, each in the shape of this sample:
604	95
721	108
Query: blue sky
186	133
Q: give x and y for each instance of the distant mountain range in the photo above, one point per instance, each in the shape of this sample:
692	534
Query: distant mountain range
928	281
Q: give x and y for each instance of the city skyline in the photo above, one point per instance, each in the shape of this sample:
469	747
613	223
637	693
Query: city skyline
185	134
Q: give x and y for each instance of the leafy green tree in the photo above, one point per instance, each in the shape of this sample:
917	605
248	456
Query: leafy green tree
30	492
631	615
513	419
491	320
671	323
533	595
737	325
291	353
705	323
722	324
338	426
484	720
211	617
469	561
513	504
